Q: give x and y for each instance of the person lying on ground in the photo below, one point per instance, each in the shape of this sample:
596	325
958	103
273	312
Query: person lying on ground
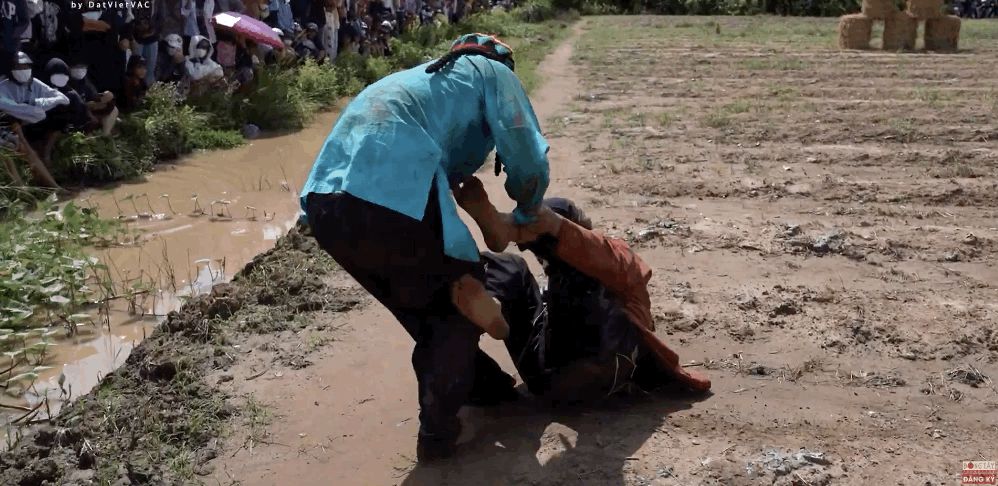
378	201
101	106
28	100
591	334
201	71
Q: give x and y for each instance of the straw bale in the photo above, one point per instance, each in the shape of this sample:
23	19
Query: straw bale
855	31
942	34
900	32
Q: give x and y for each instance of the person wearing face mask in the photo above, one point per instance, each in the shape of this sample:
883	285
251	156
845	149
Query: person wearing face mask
28	100
200	70
170	68
64	118
100	105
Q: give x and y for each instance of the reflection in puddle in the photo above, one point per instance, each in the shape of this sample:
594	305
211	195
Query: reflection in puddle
247	200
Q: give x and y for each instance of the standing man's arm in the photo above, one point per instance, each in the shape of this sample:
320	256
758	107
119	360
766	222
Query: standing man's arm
520	146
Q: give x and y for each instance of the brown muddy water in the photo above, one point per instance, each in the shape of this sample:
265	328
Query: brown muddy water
196	222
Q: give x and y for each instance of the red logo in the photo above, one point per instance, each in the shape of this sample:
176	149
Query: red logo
979	472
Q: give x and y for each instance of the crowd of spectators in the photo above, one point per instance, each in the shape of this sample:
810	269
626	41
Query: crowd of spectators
75	66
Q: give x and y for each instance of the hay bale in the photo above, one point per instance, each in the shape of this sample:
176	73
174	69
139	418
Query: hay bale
855	31
900	32
942	34
878	9
925	9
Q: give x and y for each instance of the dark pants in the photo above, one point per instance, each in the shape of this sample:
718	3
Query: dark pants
585	350
401	262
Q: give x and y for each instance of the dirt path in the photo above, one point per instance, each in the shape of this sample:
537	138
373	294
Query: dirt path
350	417
821	228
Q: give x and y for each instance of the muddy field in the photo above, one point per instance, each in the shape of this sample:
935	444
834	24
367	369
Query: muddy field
822	228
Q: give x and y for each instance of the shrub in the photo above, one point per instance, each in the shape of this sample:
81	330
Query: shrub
216	139
167	122
277	103
86	158
319	84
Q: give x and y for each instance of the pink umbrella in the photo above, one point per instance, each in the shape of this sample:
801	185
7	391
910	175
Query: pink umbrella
248	27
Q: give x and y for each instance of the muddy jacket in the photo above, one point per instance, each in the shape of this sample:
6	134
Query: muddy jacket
625	276
413	129
199	69
29	102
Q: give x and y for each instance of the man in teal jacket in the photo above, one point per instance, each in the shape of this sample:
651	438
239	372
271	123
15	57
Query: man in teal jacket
379	201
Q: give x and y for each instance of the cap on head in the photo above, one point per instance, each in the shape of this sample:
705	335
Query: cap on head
488	45
174	41
471	44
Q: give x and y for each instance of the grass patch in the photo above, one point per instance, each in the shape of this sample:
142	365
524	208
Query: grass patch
775	64
722	116
903	129
784	93
665	119
637	119
717	119
933	97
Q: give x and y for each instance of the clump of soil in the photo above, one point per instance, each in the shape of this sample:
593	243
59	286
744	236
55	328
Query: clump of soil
154	420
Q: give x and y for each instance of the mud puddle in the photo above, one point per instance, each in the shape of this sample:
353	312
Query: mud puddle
195	222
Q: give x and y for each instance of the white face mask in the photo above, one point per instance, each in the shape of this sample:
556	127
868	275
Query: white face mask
59	80
78	73
202	53
21	75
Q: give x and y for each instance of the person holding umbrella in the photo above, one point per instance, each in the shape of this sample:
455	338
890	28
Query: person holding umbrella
378	200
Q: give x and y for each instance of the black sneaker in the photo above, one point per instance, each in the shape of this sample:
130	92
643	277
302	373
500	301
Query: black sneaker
433	448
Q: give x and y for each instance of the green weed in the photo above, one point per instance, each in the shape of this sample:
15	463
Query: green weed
904	129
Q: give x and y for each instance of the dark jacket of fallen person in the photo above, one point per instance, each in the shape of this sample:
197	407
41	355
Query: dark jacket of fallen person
591	333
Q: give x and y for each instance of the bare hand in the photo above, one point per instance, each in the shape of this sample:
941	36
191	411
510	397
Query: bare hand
471	194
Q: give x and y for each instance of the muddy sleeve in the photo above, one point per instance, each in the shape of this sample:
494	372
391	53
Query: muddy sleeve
519	143
611	262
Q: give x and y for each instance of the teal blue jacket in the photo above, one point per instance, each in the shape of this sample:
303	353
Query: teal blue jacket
412	129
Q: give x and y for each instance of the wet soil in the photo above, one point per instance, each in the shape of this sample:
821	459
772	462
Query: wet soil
821	229
189	225
156	420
